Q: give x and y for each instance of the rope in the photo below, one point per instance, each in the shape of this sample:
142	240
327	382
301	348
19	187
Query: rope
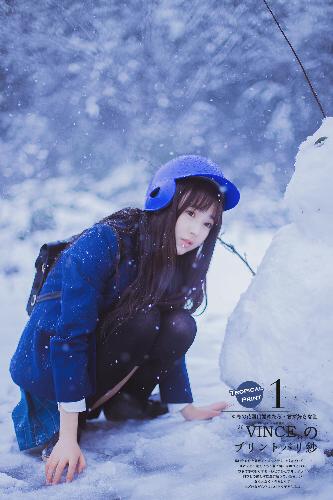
232	249
298	59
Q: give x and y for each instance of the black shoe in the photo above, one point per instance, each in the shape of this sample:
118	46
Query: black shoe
124	406
90	415
156	408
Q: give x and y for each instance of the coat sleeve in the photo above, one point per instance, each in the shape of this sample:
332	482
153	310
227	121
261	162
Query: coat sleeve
86	266
175	386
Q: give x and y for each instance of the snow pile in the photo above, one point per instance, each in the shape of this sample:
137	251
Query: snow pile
282	325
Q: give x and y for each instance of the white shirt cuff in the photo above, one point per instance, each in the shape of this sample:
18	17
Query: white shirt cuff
74	406
174	407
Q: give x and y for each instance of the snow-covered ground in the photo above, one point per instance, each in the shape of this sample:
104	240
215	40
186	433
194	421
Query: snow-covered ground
159	459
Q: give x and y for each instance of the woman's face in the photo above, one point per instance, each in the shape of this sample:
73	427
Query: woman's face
192	228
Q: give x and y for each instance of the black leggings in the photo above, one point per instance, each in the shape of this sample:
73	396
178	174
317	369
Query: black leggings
153	339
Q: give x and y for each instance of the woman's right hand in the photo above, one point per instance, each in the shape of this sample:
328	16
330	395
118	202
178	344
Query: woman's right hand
191	412
64	452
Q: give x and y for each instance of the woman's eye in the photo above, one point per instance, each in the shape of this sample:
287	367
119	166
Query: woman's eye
190	212
209	225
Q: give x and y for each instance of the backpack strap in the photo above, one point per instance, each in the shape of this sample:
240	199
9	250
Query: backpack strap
48	254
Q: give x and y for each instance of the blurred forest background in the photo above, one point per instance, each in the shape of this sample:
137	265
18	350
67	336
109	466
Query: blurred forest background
88	86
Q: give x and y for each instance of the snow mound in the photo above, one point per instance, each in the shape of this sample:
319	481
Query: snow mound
281	327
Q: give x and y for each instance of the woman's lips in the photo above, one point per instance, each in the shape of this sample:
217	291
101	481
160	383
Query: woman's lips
186	243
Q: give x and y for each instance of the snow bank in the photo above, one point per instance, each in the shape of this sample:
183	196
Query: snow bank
281	327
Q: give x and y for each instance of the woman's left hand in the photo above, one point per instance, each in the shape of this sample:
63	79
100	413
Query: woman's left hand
191	412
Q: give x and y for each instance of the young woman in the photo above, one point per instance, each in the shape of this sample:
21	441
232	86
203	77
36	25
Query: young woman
114	316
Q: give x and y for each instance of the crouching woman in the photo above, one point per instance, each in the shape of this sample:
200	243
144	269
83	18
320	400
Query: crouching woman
114	316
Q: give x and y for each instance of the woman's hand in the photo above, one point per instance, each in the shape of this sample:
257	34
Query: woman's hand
64	452
191	412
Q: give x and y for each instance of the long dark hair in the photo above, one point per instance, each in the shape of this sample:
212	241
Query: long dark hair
164	278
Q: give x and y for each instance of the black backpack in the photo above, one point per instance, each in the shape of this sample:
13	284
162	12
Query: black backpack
48	254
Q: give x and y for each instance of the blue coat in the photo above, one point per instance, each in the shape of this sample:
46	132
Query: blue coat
56	355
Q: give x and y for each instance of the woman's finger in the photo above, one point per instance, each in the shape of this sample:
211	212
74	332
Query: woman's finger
215	412
220	405
81	463
49	469
59	470
210	414
46	471
71	471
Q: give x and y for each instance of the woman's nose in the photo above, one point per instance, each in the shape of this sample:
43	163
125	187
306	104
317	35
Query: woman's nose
194	230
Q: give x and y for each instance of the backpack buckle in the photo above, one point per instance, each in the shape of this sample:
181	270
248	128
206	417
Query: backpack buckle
43	268
33	300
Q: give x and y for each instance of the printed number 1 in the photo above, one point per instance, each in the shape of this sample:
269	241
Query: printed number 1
277	394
